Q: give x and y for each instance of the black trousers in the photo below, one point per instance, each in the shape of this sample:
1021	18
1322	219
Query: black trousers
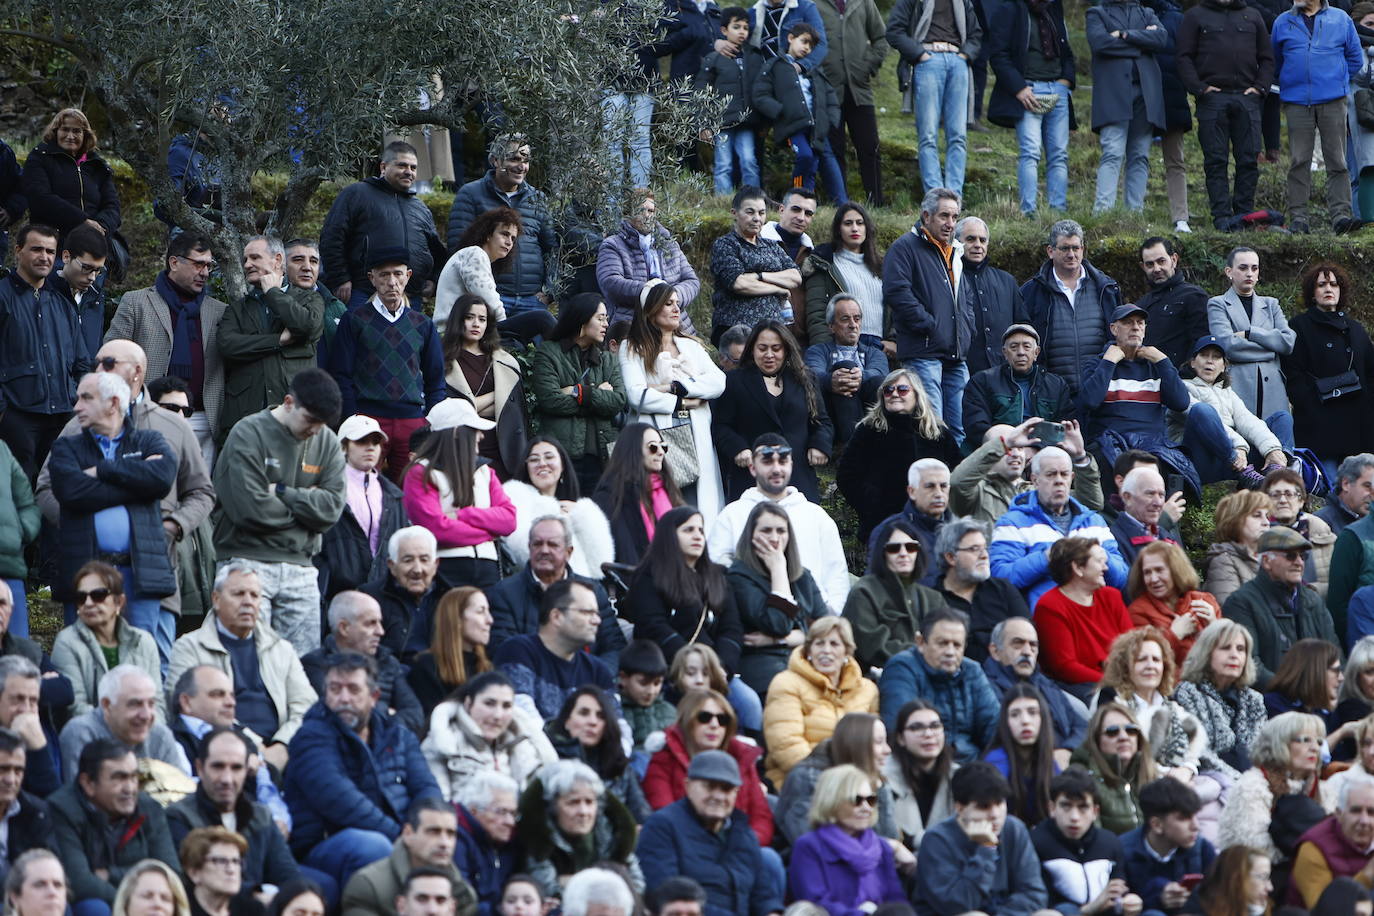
30	437
1272	123
1229	123
862	121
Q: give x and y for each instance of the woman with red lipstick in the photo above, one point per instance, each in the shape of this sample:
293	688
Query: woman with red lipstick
1023	751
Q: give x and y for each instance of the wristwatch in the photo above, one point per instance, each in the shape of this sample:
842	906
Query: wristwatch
759	274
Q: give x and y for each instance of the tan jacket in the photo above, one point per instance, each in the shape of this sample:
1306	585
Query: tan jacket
77	654
804	707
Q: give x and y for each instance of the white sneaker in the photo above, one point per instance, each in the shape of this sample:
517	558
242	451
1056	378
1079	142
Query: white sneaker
1182	226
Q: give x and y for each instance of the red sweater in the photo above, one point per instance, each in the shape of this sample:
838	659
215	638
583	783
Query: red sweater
666	781
1075	638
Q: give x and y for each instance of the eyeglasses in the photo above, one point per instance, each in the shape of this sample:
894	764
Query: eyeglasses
904	547
186	410
919	727
97	595
505	814
87	269
108	362
658	447
1284	494
860	800
980	551
205	266
902	390
722	718
773	451
1111	731
224	862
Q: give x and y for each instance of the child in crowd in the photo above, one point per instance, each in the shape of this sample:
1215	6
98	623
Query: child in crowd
802	108
1177	857
1081	862
732	77
642	669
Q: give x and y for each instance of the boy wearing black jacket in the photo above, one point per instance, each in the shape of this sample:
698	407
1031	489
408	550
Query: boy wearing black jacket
802	107
1165	856
734	78
1081	862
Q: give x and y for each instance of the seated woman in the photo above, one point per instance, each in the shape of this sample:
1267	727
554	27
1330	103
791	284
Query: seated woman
1023	752
1140	674
149	888
1240	519
887	605
860	740
1078	619
1356	699
298	897
895	432
706	722
568	822
481	253
843	864
776	596
545	484
1237	884
918	772
477	369
1309	680
1363	764
821	684
695	667
587	730
1285	488
636	490
481	728
1166	592
462	629
1215	688
214	887
101	638
1117	754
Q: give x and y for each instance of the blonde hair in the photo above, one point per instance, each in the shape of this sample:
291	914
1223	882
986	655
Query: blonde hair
928	424
135	874
1197	667
1232	511
715	671
88	142
824	626
1116	671
837	786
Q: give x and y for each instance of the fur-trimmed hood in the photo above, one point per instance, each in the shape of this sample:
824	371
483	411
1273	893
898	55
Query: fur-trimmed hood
614	834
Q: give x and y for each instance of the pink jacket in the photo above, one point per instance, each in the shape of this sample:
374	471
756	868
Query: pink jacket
453	527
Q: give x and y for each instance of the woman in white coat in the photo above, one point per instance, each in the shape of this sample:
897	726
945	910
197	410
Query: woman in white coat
666	372
545	483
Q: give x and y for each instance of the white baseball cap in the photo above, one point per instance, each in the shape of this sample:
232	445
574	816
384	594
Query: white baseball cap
453	412
359	427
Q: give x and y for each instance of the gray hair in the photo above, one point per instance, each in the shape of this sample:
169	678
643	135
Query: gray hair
393	544
274	245
1197	667
837	299
562	776
477	790
16	666
347	605
1049	451
959	226
560	519
954	531
1354	779
231	568
303	242
1361	659
19	873
111	386
1063	229
1350	469
111	686
1000	630
920	466
1135	477
736	334
597	886
931	202
503	142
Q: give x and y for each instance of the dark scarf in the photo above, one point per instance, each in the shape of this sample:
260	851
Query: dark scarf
188	352
1049	35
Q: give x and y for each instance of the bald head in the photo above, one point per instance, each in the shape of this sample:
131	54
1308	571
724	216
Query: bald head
131	363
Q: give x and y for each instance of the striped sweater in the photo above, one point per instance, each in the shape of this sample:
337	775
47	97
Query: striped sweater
1130	396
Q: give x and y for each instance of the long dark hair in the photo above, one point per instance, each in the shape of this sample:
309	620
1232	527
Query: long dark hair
1029	770
626	476
877	557
678	584
645	339
608	757
453	453
568	487
869	249
1301	674
911	771
485	226
573	313
453	331
792	362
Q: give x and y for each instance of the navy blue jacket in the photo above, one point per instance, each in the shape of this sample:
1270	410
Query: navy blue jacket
1008	39
1040	295
1070	728
130	480
691	35
485	865
1147	876
965	700
371	215
733	81
515	611
90	314
992	298
42	351
334	781
537	241
12	199
923	301
728	865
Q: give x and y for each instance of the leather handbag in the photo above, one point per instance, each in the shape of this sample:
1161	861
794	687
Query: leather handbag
682	445
1330	387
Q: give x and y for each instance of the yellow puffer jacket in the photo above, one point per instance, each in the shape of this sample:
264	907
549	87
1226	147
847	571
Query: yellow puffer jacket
803	708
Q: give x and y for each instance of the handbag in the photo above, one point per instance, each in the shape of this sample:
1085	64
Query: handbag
119	255
1364	107
1330	387
682	446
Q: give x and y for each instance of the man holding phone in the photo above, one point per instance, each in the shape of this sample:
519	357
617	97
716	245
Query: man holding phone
1166	857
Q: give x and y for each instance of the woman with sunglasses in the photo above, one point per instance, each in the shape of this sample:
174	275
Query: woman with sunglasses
843	865
637	490
1117	754
706	722
887	605
918	772
101	638
1288	493
1023	752
897	431
587	729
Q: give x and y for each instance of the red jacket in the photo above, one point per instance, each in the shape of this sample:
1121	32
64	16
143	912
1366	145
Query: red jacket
666	781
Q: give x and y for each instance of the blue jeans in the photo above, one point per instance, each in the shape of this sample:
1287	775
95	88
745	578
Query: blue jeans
748	706
92	907
944	381
735	146
941	85
345	852
811	156
1130	139
1049	131
1280	423
773	872
147	615
359	296
19	619
629	116
1207	442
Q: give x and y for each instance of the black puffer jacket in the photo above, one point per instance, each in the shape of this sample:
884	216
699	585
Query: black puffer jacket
346	560
64	194
778	99
537	240
371	215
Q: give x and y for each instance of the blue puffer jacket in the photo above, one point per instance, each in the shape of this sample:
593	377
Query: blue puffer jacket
1317	66
334	781
965	700
1021	545
536	243
485	865
728	865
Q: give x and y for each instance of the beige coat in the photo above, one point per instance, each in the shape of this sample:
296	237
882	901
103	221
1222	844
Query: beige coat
1228	566
803	708
77	654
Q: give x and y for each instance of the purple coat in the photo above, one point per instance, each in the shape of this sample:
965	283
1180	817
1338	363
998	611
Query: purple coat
840	872
622	270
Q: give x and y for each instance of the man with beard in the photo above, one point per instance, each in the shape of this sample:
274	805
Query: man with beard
967	584
1013	657
990	295
985	483
1175	310
353	775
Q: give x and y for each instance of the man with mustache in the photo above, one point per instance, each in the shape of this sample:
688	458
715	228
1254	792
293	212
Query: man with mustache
1014	657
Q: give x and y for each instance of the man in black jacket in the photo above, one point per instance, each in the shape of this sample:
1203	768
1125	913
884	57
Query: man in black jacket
1016	388
407	593
1082	863
26	818
989	296
1175	310
1226	60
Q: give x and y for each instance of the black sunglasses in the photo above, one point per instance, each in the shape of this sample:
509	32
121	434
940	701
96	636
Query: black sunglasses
186	411
870	800
723	718
907	546
1111	731
773	451
97	595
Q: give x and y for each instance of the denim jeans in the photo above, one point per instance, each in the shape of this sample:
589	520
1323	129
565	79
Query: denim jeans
1280	423
345	852
1050	131
147	615
812	156
735	146
629	116
1208	444
19	617
748	706
1131	140
941	84
944	381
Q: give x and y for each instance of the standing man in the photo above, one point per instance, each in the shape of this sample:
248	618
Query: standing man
1175	310
41	348
1128	96
921	277
268	337
855	31
381	212
177	325
1069	303
282	490
1226	60
992	300
937	39
387	358
84	253
303	272
1255	334
1316	54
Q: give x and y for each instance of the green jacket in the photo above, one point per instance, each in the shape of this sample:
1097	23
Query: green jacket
19	517
277	495
976	492
1352	566
1263	607
858	45
373	889
883	626
257	365
1120	803
585	425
